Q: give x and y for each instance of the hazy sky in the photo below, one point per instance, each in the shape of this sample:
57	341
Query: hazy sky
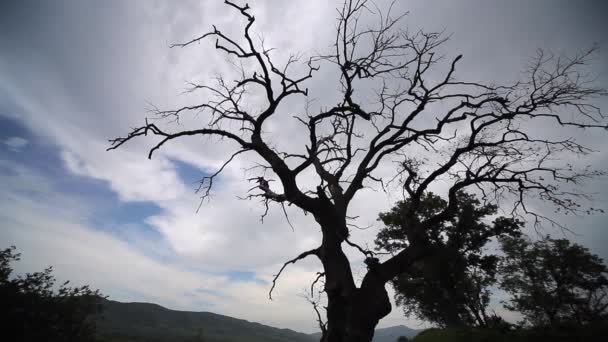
75	73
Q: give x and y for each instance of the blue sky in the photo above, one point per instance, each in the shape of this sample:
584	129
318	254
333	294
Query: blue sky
74	74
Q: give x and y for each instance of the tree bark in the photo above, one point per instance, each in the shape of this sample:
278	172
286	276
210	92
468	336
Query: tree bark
352	313
370	304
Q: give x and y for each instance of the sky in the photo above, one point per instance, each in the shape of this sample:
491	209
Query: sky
74	74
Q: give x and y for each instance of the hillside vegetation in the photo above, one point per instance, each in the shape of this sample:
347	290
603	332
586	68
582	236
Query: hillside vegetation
154	323
139	322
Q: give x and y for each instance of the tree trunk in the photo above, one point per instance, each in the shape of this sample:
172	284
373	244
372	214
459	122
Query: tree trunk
353	318
370	304
352	313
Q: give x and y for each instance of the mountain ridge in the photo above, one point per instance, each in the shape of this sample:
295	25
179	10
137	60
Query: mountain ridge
150	322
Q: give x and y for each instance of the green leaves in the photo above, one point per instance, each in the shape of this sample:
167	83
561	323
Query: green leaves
554	282
34	309
451	286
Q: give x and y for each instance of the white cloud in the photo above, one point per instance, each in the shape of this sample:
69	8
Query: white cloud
15	144
130	178
85	255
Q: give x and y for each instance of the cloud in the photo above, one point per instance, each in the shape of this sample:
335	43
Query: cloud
85	254
15	144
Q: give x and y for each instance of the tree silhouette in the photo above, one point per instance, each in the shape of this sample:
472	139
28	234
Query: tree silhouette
32	310
450	287
554	282
471	135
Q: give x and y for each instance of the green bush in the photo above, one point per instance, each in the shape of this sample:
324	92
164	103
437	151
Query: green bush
463	335
588	333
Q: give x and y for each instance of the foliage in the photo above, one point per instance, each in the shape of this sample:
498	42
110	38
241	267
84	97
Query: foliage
449	287
145	322
554	282
596	331
463	334
34	309
591	333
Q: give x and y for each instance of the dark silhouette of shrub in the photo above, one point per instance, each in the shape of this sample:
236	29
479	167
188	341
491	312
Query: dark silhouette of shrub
34	309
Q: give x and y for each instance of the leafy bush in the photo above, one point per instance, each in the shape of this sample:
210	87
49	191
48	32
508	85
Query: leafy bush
34	309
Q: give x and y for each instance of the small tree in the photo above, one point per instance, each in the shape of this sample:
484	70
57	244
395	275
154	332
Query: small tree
32	310
449	287
553	281
398	101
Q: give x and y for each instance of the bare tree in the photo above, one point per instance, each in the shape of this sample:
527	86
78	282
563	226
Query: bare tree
476	135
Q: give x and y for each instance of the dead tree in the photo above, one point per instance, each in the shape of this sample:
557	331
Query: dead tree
473	135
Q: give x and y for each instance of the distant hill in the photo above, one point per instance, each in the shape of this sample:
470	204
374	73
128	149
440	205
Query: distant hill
392	333
139	322
145	322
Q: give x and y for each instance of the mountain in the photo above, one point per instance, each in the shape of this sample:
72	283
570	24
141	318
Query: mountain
145	322
139	322
392	333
